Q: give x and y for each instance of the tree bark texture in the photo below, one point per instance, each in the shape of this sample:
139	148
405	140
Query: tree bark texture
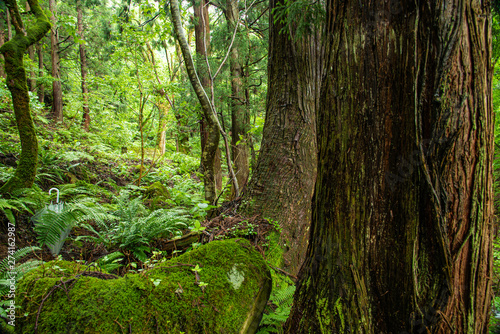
209	152
57	107
240	118
282	184
402	213
13	52
83	68
202	46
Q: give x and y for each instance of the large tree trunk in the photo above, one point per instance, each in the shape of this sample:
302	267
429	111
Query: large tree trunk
13	52
402	214
57	111
282	185
240	118
83	68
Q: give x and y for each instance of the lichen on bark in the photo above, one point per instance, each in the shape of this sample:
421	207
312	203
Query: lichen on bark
13	52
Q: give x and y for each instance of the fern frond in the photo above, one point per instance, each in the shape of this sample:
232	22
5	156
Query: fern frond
18	255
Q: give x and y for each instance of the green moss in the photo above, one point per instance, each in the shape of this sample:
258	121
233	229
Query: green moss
13	52
166	299
156	193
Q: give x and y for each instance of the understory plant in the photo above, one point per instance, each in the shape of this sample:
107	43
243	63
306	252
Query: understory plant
11	271
278	309
133	227
54	222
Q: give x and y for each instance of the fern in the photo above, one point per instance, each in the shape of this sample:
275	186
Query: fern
8	206
54	227
132	227
110	261
273	321
20	269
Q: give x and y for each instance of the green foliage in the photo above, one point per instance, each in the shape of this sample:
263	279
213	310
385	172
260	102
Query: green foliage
277	313
8	206
110	262
133	227
11	271
494	321
299	17
54	223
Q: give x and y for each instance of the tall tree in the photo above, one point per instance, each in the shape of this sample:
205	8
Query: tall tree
402	213
212	141
31	54
57	111
41	87
13	52
207	126
282	184
240	118
3	8
83	66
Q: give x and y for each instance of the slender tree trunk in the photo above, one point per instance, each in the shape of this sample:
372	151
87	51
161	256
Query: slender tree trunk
240	118
2	41
41	87
402	214
32	80
209	133
9	27
182	135
163	108
282	185
83	68
57	108
13	52
31	54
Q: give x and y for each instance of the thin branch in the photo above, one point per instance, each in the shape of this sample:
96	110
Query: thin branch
146	22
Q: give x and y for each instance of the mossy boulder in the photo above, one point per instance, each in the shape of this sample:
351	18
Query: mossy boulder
221	287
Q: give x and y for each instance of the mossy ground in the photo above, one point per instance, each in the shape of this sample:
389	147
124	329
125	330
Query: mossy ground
170	298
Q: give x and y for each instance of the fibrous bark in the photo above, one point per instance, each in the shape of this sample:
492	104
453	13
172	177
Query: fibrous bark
207	125
240	119
402	214
282	184
13	52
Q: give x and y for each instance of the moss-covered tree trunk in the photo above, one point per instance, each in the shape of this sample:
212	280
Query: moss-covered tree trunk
240	117
83	68
57	107
282	184
402	214
13	52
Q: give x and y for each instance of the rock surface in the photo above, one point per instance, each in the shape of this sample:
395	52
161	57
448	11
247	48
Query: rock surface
221	287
